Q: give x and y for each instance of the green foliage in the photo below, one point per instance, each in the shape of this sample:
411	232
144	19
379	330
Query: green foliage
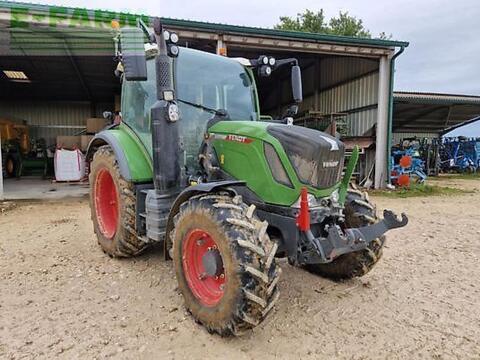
309	21
315	22
423	190
459	176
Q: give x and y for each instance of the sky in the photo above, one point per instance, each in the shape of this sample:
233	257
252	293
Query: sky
444	51
470	130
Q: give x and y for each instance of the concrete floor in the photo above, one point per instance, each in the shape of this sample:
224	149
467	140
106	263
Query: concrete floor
34	188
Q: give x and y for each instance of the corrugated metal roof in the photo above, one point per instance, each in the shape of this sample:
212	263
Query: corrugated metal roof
435	98
460	125
236	29
416	112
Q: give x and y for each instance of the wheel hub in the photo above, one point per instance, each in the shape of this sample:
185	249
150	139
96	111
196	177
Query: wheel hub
203	267
212	262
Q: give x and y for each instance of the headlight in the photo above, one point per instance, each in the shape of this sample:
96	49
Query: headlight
264	71
173	113
166	35
271	61
173	49
174	38
276	166
264	60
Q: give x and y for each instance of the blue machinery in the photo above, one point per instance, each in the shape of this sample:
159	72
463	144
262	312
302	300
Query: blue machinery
460	154
415	159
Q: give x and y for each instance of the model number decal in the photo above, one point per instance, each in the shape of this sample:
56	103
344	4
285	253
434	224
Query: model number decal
238	138
232	137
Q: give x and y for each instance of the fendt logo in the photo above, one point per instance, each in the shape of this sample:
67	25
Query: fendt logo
330	164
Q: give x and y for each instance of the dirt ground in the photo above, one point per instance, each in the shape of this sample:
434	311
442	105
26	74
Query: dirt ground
60	296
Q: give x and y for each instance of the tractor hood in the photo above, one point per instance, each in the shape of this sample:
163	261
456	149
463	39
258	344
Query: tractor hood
316	157
278	160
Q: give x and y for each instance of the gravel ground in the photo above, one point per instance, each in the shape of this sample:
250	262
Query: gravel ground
61	297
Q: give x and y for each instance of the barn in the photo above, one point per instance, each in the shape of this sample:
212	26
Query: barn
57	71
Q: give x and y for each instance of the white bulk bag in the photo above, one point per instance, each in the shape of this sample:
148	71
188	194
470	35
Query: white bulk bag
69	165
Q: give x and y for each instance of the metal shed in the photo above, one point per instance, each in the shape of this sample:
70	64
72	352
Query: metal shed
430	115
66	54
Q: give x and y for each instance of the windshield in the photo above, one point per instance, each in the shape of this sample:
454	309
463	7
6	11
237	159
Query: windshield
204	83
214	82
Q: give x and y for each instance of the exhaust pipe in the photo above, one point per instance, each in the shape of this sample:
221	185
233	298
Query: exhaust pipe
165	143
165	139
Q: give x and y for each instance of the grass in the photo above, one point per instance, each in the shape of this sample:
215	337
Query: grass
421	190
462	176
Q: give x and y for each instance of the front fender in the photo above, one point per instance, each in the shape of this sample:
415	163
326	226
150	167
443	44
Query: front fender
134	162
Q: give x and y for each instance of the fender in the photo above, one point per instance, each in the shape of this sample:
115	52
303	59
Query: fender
133	161
186	194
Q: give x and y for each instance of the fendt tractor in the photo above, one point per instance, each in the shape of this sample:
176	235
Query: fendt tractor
194	166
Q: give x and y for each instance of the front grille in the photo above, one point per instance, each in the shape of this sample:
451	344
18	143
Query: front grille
322	172
316	157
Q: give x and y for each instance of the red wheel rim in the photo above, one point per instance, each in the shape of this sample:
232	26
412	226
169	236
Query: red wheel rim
404	180
106	203
208	289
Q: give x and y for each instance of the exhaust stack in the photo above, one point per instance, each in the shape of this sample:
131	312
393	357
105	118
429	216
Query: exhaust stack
165	140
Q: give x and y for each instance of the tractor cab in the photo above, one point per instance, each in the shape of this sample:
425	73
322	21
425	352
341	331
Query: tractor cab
208	87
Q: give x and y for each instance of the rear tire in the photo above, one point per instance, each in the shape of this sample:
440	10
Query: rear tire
4	164
11	165
113	206
358	212
241	295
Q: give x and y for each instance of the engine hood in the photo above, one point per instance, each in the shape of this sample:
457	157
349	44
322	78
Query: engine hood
316	156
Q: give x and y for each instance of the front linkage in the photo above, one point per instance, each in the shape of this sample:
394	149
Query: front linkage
333	237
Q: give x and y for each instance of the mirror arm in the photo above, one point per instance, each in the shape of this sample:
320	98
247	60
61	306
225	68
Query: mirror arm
159	38
289	61
150	35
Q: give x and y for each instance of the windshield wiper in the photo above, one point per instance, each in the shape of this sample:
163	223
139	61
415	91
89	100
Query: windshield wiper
218	112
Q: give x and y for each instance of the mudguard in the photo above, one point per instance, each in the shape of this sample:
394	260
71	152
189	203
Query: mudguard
134	163
187	194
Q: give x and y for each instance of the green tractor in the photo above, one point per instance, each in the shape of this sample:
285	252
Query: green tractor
194	166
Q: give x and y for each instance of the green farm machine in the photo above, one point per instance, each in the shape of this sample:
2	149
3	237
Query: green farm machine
192	165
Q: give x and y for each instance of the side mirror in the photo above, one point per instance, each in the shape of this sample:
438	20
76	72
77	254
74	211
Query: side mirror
297	84
133	54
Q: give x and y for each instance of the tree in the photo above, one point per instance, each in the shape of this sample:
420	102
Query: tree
309	21
348	25
315	22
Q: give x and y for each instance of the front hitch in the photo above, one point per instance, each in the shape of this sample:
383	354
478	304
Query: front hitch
339	242
371	232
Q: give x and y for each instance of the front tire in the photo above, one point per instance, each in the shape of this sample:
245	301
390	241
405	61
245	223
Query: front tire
358	212
113	206
224	263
